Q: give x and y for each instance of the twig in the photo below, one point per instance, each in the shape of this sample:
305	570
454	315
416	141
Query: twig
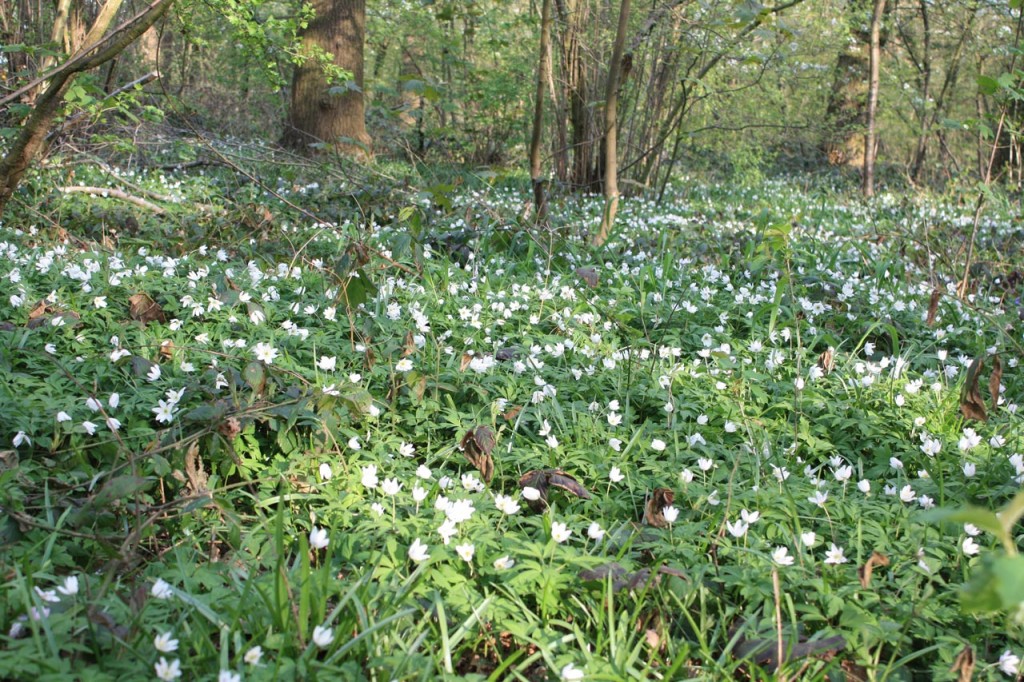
779	645
116	194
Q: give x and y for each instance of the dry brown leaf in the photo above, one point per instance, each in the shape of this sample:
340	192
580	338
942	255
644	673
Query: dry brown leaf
827	361
589	275
995	380
971	404
653	638
543	479
933	306
512	412
477	445
656	503
410	345
144	309
864	572
464	362
963	665
41	309
197	477
167	349
230	428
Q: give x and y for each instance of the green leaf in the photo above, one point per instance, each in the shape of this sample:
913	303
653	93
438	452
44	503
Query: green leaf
988	85
982	518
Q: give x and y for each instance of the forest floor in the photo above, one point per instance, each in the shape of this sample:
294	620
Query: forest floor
308	433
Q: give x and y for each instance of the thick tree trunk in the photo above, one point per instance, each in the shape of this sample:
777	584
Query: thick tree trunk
611	123
868	186
318	115
536	169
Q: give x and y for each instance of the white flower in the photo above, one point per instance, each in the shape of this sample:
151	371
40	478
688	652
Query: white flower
20	438
503	563
47	595
153	375
907	493
322	636
819	498
864	486
369	479
1009	663
737	529
168	671
931	446
705	464
615	444
749	517
506	504
89	427
63	416
686	475
570	673
391	486
113	424
327	364
419	493
834	555
615	475
403	365
318	538
264	352
531	493
114	400
808	538
325	471
253	655
670	513
228	676
161	589
354	444
843	473
422	471
972	530
418	551
93	404
164	411
595	532
560	532
969	546
658	445
780	555
165	642
70	586
465	551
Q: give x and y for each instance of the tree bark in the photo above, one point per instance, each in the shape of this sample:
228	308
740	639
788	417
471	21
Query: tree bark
540	202
868	186
98	50
317	115
611	122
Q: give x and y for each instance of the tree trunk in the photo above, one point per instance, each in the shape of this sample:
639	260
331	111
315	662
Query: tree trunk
847	101
536	171
611	122
318	115
868	187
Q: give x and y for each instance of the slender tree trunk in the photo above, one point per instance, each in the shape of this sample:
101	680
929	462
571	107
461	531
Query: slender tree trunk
97	50
868	187
536	171
316	114
611	169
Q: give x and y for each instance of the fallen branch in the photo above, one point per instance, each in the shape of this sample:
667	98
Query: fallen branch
116	194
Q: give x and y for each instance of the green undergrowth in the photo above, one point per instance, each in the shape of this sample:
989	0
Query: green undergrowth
247	442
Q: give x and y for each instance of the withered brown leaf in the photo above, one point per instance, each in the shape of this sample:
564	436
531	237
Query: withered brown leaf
656	503
827	361
963	665
971	404
864	572
933	306
543	479
144	309
589	275
464	362
167	349
512	412
995	380
477	445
